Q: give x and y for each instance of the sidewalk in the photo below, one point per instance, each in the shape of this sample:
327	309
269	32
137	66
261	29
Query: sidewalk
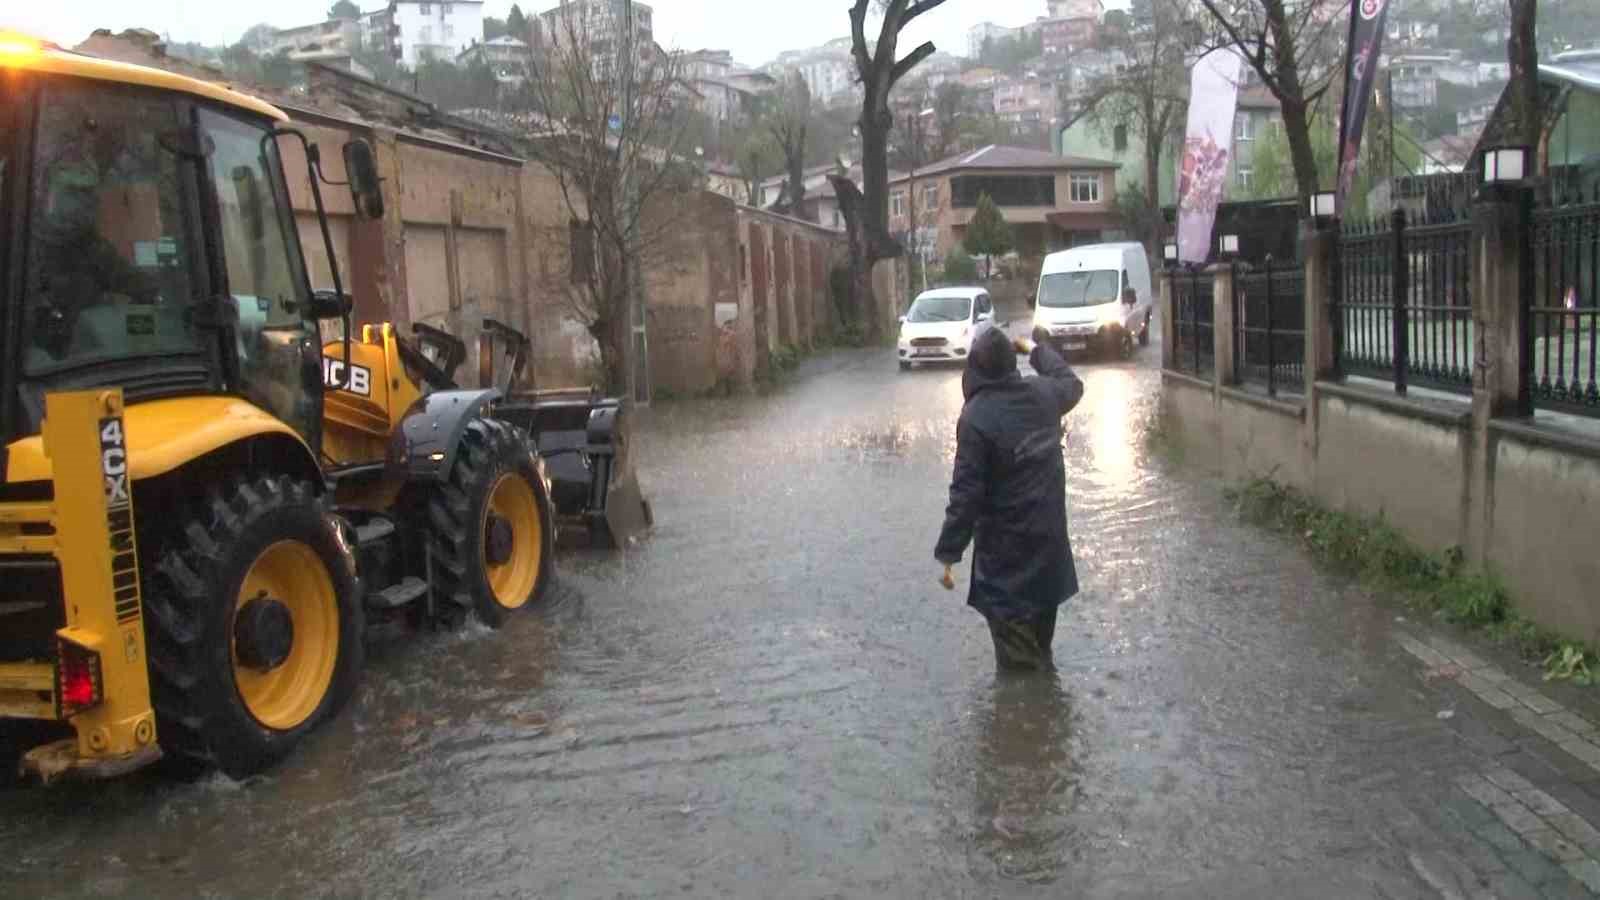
1535	798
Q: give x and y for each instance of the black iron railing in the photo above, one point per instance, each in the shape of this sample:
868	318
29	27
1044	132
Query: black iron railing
1403	302
1269	338
1195	352
1564	310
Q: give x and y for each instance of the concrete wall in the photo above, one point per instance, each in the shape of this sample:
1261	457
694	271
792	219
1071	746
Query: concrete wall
1394	461
1545	509
1515	493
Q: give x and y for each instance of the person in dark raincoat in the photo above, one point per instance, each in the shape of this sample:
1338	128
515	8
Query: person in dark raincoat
1009	491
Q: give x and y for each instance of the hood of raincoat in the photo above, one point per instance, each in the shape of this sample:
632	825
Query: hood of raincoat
991	361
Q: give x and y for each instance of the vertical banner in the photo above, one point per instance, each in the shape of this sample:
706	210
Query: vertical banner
1360	73
1207	146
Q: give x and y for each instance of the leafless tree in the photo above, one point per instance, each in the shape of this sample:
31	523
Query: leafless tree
1293	48
789	112
610	131
1146	98
879	67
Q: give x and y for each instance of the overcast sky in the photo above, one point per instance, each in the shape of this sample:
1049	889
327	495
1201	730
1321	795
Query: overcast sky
755	30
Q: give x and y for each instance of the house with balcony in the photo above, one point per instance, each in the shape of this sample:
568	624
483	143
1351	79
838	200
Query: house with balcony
1051	202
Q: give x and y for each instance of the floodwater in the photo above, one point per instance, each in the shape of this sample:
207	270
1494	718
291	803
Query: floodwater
771	696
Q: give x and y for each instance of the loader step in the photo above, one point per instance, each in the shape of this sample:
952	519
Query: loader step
395	596
373	532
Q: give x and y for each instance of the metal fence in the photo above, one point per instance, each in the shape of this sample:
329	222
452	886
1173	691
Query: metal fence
1269	314
1564	311
1194	352
1403	300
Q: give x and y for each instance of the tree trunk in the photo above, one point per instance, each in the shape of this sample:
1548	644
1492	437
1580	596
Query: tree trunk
1523	54
861	299
1154	129
1291	97
796	160
1302	158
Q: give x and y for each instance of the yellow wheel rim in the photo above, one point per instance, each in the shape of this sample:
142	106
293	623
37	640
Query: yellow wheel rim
287	695
512	581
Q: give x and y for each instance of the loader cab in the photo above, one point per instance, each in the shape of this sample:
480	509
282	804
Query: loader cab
149	243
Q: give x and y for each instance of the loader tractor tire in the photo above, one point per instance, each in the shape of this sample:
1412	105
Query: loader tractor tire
489	529
254	623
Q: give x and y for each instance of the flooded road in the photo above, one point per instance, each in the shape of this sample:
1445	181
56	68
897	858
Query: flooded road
772	696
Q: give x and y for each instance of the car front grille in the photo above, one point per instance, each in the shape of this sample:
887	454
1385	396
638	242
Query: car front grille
929	342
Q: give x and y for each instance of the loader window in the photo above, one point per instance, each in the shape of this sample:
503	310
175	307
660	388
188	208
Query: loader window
112	253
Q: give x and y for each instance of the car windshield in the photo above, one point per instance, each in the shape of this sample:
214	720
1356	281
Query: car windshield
1065	290
940	309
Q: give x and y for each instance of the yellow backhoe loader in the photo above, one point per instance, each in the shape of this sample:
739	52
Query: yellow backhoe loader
203	502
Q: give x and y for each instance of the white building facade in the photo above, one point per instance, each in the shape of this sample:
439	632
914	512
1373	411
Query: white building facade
436	29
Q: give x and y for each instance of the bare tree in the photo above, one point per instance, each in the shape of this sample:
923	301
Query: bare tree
789	111
1146	99
610	132
866	211
1293	47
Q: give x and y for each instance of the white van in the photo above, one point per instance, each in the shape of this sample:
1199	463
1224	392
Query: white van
1097	296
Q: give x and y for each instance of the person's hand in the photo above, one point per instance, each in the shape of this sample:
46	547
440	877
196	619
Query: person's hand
949	578
1022	345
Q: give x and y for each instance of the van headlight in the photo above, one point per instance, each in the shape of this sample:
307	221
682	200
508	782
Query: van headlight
1111	315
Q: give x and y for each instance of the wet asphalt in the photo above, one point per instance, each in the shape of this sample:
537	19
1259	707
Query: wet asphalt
771	697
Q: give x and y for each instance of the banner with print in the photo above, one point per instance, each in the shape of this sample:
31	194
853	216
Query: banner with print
1207	147
1360	75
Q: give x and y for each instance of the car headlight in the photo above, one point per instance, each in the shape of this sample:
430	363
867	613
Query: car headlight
1111	314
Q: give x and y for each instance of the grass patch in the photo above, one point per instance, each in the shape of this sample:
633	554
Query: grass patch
1161	440
1438	584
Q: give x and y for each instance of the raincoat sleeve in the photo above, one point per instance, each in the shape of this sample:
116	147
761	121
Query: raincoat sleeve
968	487
1057	377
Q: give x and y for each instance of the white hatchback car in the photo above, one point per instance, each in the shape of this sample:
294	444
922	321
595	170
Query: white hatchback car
940	325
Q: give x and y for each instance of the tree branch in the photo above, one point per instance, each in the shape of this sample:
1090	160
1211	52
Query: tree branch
910	62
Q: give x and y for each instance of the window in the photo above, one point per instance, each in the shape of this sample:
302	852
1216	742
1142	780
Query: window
897	203
266	278
113	250
836	222
1243	176
1085	188
930	197
1119	138
1004	190
444	9
449	31
425	8
1244	127
425	34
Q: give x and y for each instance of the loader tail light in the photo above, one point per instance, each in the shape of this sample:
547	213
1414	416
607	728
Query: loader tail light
78	682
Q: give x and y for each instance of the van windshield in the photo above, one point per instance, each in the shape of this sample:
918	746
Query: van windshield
940	309
1064	290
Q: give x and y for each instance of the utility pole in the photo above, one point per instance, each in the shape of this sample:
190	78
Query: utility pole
639	349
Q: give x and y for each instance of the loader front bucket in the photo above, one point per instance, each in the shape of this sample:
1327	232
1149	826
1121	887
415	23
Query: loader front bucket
627	514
